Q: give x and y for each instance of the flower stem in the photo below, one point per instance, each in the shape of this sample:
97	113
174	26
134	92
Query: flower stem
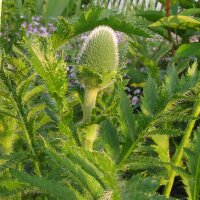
91	136
89	103
184	143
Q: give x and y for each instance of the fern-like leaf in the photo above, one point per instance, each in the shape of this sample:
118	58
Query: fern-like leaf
95	17
47	186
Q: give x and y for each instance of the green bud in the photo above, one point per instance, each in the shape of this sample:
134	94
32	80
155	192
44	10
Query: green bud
99	57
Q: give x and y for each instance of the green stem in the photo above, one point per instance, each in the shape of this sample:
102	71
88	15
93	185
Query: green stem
91	136
184	143
89	103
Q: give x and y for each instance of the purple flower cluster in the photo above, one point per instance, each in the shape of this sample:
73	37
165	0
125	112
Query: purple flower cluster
71	76
36	27
120	38
134	95
135	100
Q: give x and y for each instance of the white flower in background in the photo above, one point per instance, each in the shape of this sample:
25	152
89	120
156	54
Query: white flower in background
137	91
135	100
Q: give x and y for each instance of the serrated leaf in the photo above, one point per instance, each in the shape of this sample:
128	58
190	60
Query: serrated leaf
24	84
171	132
145	162
33	93
110	139
46	185
88	181
108	78
35	111
150	98
127	119
88	76
95	17
144	188
11	187
171	81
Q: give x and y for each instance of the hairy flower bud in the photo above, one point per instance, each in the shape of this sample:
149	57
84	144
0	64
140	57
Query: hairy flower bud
100	54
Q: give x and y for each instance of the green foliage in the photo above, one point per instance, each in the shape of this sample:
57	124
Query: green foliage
127	119
187	50
46	185
7	136
190	11
9	188
192	181
144	51
95	17
117	151
61	8
150	98
134	185
179	22
161	106
151	15
110	139
48	66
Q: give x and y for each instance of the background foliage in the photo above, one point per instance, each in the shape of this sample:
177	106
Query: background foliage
147	140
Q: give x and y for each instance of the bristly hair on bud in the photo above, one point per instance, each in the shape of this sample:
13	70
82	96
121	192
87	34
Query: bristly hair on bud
100	50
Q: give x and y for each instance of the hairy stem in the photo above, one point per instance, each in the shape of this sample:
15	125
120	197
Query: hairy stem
91	136
89	103
179	153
